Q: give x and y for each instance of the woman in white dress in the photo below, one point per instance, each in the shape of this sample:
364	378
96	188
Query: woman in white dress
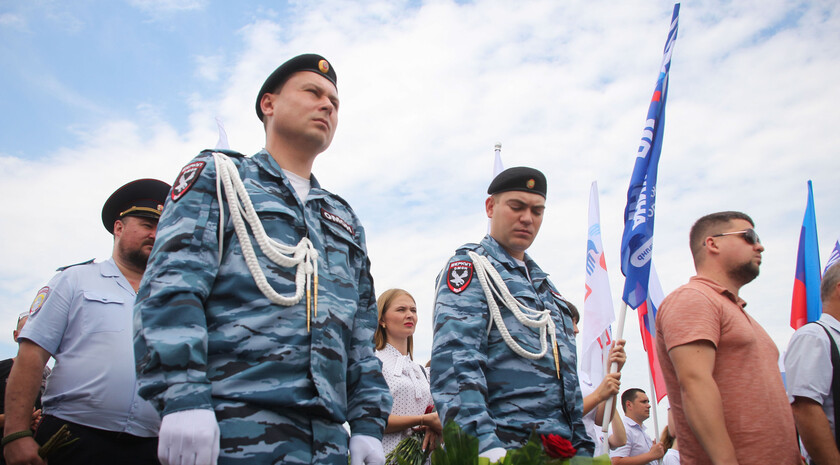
407	380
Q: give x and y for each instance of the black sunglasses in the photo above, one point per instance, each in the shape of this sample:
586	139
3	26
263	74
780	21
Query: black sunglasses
749	235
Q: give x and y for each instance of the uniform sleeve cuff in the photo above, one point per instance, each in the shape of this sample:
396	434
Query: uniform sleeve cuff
187	396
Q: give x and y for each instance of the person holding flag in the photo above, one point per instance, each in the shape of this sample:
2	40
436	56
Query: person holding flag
596	337
719	364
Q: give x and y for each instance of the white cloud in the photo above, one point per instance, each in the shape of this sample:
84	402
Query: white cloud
168	6
13	21
427	89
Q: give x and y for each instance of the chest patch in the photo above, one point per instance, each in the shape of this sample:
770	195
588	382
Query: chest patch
337	220
459	275
186	179
39	300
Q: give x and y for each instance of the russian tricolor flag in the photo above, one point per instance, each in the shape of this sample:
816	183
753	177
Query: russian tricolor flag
647	325
806	306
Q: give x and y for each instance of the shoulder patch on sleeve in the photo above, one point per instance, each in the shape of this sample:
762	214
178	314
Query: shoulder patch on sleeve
42	295
459	275
186	178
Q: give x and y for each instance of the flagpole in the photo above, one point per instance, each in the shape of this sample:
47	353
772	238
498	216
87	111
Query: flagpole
619	335
655	415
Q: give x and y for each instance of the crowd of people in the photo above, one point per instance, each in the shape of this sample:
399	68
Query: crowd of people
236	322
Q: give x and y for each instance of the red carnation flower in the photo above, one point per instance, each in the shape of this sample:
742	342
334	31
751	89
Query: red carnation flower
557	447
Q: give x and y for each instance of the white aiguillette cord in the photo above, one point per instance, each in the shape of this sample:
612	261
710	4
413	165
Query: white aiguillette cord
303	255
529	317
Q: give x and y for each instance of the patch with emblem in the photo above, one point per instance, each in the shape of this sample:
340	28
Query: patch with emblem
337	220
39	300
186	179
459	275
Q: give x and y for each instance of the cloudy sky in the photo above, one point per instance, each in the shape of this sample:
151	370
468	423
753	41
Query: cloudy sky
98	93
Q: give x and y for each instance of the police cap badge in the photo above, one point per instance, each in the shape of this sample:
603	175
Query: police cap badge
143	197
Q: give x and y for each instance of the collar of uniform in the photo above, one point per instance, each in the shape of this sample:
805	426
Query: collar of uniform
495	250
109	269
719	289
265	161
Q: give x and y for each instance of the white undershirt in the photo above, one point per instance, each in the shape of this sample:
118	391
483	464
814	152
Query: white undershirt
300	184
522	264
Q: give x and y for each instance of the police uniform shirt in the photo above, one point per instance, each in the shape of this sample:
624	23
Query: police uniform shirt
477	381
207	334
85	322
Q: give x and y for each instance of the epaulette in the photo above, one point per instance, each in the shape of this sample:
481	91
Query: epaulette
230	153
468	246
62	268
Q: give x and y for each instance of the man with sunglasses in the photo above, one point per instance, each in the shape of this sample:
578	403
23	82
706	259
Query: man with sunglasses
720	366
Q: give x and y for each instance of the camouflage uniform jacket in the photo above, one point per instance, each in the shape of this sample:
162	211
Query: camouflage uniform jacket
204	332
478	381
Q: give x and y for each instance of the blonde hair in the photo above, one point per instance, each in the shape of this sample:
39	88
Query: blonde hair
380	337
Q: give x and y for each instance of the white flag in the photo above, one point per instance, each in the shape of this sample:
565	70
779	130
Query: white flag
222	143
598	313
498	167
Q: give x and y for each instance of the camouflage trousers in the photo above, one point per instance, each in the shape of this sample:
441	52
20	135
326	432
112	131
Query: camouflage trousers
253	436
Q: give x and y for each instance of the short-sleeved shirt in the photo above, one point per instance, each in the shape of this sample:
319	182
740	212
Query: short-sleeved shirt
638	442
595	434
808	364
756	411
85	322
409	387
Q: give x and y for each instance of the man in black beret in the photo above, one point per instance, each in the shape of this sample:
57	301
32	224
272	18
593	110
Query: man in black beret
83	319
503	355
255	341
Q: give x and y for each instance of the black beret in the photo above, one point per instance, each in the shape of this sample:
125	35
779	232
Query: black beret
520	178
306	62
143	197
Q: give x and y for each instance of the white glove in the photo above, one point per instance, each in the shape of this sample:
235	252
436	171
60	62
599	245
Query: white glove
189	437
366	450
495	454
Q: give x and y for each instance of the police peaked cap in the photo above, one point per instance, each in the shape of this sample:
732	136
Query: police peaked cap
520	178
307	62
143	197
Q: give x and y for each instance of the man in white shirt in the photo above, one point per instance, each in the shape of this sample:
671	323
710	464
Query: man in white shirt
640	449
809	373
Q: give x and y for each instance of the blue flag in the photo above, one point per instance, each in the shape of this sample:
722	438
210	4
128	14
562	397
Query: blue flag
806	305
637	240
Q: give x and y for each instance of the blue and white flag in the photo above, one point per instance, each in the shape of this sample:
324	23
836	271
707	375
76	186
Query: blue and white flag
637	240
834	257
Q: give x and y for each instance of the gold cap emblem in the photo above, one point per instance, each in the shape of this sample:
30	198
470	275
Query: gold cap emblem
323	66
530	183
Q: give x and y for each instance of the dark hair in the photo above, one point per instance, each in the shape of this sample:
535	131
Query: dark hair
380	337
709	225
829	282
573	310
629	396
